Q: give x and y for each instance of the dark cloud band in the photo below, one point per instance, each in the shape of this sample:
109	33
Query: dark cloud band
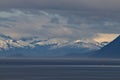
110	5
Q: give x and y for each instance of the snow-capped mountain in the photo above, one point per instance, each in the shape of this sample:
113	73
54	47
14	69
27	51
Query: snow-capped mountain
112	50
50	47
7	43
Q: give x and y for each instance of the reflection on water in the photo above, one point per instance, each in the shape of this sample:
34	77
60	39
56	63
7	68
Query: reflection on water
59	72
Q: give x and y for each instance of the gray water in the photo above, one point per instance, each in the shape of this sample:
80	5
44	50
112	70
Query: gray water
20	70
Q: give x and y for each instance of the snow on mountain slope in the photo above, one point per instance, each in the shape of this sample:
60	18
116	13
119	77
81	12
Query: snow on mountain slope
58	43
112	50
5	44
51	47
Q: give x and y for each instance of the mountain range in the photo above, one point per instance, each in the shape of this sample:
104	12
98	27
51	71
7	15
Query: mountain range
57	47
36	47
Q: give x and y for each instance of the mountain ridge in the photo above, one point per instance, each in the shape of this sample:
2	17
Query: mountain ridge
111	50
51	47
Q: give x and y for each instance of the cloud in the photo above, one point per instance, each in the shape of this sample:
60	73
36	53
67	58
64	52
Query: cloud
109	5
105	37
47	24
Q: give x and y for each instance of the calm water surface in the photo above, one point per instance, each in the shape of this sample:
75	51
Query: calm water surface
48	70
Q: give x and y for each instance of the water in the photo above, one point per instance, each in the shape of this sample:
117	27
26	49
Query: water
48	70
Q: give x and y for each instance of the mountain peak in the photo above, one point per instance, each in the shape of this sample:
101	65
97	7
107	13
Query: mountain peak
112	50
117	39
115	44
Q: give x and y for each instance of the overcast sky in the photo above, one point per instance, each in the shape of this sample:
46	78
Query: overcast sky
71	19
108	5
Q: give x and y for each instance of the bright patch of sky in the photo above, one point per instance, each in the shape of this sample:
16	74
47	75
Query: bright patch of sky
105	37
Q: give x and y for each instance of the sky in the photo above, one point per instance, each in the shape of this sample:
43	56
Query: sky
108	5
71	19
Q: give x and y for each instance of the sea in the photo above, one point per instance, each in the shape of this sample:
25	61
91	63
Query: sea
59	69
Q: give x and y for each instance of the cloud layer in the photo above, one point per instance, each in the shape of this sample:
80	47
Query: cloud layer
109	5
52	24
